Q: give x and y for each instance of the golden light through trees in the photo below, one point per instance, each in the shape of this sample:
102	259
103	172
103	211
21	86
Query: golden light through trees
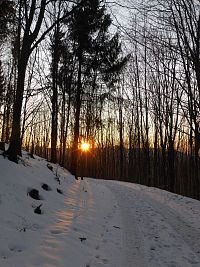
85	146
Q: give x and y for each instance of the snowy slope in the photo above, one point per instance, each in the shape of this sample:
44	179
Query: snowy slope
93	223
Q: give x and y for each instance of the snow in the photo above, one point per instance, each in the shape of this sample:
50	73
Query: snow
94	223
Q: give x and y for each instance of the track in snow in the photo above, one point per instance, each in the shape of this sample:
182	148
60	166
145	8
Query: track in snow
116	224
158	228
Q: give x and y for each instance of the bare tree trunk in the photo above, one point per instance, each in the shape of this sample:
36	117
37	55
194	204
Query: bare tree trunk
74	155
23	57
121	146
15	140
54	99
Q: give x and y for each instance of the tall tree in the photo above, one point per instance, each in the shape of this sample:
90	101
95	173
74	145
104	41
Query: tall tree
29	35
96	52
54	71
28	40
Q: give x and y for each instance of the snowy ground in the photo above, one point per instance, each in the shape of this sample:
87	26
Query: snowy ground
94	223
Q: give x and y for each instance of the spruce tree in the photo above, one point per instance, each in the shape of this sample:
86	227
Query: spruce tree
96	52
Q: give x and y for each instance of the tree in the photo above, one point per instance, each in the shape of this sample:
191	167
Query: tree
28	40
96	53
67	85
56	54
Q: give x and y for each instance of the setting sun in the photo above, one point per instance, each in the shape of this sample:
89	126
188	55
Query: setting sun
85	147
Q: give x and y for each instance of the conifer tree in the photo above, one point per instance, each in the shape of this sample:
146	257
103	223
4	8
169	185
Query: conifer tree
97	53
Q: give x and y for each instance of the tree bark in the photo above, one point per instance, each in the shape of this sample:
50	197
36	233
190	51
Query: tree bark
74	155
15	141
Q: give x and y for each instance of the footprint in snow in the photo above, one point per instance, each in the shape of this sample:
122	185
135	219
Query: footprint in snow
116	227
56	232
16	248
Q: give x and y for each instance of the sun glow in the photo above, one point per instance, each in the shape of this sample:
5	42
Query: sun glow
85	147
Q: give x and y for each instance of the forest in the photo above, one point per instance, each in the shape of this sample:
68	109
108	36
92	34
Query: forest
121	76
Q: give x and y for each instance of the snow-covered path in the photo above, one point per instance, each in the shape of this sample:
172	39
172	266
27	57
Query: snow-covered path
159	228
124	225
85	233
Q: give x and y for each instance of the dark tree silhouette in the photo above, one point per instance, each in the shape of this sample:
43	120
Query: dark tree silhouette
56	54
28	40
96	53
